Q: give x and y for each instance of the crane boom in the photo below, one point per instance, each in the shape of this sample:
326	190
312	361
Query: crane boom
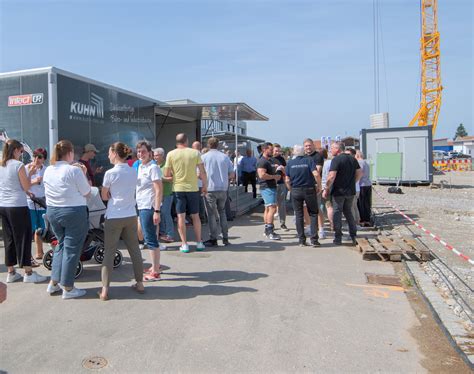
431	87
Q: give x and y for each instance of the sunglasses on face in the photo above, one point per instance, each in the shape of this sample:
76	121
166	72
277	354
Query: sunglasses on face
39	156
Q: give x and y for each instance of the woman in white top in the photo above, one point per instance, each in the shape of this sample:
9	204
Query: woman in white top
16	224
327	202
35	170
149	194
66	189
121	216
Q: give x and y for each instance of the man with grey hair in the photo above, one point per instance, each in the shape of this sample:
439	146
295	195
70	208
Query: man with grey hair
343	174
219	171
304	182
365	196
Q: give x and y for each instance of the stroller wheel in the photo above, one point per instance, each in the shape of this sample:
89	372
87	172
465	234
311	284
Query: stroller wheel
79	269
117	259
48	259
99	254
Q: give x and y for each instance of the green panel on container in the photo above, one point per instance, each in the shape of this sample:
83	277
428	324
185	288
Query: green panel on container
389	166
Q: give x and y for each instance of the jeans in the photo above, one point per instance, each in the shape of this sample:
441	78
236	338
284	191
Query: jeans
343	204
228	211
269	196
300	195
215	202
166	223
281	202
70	226
148	227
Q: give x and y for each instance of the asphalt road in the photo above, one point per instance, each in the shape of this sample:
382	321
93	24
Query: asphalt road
256	306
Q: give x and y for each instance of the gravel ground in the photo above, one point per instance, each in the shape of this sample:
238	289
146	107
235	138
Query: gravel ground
447	210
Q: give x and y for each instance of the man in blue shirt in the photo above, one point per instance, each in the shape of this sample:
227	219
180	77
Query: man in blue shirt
304	182
248	166
219	170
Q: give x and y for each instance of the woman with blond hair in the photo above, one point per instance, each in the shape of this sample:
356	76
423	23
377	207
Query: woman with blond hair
121	217
16	223
66	190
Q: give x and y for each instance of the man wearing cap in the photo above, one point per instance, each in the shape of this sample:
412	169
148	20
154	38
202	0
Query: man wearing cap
89	153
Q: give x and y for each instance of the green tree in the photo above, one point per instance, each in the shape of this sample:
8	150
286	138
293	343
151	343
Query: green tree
460	131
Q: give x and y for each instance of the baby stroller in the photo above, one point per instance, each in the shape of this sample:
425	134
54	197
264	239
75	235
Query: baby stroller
94	243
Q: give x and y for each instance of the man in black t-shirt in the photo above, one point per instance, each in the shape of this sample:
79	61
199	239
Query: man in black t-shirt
267	178
278	160
310	151
343	175
301	174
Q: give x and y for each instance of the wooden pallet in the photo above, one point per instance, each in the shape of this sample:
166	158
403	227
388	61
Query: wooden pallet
390	248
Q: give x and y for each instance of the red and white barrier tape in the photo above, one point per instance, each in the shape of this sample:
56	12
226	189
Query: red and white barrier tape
435	237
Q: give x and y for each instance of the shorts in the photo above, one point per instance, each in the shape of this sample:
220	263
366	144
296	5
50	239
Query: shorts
37	221
187	202
148	228
269	196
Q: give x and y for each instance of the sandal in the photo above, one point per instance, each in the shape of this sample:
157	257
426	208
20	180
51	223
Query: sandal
148	271
102	298
152	277
135	288
39	257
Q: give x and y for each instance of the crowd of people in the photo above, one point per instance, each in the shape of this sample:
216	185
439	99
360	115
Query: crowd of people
143	194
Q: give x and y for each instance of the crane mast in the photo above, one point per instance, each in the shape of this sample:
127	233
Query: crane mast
431	88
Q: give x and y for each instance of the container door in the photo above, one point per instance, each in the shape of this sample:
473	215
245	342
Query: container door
415	160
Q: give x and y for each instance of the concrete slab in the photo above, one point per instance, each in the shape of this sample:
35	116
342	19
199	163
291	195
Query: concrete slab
256	306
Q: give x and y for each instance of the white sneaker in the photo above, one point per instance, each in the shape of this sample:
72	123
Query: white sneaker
200	246
34	277
75	292
163	247
13	277
322	235
53	289
184	248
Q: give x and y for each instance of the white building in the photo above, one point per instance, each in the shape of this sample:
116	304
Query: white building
464	145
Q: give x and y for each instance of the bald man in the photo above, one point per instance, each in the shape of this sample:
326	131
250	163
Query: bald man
181	164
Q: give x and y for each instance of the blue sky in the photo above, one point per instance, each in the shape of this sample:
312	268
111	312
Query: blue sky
307	65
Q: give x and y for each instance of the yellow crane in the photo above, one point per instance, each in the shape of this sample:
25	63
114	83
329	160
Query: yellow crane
431	87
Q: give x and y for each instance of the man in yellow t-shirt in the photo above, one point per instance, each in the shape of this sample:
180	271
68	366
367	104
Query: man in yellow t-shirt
181	164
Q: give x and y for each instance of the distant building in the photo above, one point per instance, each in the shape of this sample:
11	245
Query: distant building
349	141
464	145
443	144
214	126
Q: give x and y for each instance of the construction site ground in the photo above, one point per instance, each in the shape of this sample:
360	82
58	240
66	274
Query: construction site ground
256	306
446	209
